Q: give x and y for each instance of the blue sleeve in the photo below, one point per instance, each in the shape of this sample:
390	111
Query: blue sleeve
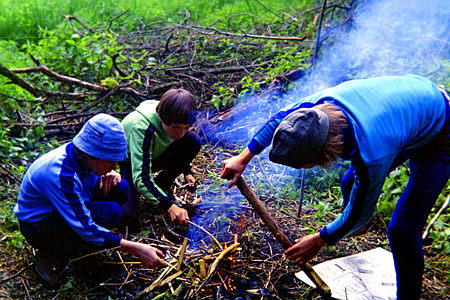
367	186
69	199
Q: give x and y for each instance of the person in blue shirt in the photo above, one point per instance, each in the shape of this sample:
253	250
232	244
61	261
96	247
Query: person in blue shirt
70	198
377	124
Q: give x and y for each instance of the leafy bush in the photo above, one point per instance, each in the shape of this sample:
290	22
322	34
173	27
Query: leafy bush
393	187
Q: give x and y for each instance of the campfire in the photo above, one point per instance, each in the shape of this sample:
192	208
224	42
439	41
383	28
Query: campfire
213	258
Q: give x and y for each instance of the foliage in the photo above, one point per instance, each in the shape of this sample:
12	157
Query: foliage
38	28
22	20
225	98
393	187
85	57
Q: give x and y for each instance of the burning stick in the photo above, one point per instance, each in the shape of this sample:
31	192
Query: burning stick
214	265
264	214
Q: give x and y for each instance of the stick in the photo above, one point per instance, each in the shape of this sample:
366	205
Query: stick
302	187
213	266
181	254
264	214
205	231
316	50
424	235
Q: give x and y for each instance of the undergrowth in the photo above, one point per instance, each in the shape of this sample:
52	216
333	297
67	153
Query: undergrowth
38	29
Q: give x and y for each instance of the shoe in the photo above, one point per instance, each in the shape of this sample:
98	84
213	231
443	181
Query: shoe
49	268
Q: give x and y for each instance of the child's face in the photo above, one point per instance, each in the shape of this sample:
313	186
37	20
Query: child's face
175	130
100	166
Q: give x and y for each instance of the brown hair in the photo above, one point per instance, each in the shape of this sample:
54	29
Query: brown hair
176	106
334	143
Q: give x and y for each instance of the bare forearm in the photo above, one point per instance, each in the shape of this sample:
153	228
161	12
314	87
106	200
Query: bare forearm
148	255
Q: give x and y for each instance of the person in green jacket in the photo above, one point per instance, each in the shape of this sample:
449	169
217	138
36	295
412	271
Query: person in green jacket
159	140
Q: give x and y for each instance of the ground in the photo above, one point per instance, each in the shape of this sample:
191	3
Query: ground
255	269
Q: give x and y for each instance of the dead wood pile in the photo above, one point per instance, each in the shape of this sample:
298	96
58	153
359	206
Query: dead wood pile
165	55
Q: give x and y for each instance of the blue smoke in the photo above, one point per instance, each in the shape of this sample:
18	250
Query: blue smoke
385	37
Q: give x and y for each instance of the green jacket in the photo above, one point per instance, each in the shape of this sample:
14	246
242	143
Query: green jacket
146	140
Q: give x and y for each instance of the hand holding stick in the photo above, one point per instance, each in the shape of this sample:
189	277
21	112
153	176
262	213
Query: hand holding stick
264	214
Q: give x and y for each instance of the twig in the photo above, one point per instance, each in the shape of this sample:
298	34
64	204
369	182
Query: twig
205	231
123	264
244	35
2	168
116	17
91	254
316	50
181	254
17	274
158	280
213	266
70	18
171	277
444	206
26	288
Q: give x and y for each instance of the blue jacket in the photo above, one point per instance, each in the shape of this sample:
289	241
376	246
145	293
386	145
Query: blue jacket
387	115
55	183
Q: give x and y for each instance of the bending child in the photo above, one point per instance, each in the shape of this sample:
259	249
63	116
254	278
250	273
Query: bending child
159	140
377	124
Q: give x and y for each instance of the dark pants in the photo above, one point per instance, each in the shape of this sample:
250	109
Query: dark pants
54	237
430	171
174	161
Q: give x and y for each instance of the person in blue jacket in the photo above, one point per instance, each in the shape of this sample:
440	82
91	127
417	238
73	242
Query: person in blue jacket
378	124
70	197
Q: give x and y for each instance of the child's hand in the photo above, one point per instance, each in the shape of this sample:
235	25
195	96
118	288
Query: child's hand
109	180
190	180
178	215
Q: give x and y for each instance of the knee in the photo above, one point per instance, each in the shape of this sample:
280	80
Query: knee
403	236
115	213
123	191
194	141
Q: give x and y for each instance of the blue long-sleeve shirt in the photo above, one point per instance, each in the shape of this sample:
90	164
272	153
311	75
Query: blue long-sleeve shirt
56	183
387	115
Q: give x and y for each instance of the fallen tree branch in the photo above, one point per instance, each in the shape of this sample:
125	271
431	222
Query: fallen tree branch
20	82
62	78
203	30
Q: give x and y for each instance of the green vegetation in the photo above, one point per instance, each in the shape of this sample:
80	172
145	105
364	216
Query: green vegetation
99	42
23	20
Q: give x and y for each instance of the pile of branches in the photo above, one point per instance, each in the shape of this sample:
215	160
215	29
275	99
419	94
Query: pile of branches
201	59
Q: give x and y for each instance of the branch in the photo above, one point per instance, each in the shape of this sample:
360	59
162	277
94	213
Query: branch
61	78
70	18
244	35
116	17
20	82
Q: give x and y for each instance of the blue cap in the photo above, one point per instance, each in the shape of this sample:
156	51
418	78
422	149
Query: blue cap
102	137
298	138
